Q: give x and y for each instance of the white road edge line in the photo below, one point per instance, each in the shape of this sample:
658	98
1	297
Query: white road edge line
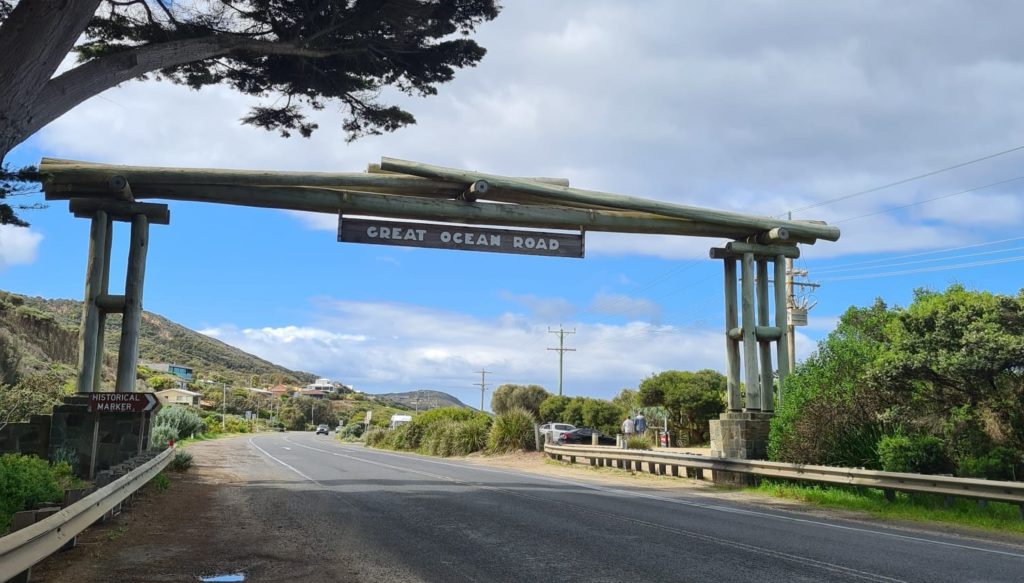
266	453
715	507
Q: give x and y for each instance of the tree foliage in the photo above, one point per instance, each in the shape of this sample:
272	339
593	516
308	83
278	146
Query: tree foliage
509	396
298	57
691	398
948	367
599	414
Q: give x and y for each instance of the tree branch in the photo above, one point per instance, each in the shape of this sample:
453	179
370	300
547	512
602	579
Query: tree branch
71	88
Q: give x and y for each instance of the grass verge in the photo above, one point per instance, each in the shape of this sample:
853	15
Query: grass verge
995	516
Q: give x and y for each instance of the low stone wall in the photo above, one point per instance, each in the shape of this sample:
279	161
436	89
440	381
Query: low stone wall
72	428
29	438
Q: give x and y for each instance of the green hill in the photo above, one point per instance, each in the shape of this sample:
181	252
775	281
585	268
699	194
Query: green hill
45	334
421	400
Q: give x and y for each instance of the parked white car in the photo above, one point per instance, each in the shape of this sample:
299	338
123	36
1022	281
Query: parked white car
555	429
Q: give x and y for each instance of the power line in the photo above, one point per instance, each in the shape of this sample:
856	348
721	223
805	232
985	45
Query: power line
906	180
561	352
934	252
927	200
917	261
929	269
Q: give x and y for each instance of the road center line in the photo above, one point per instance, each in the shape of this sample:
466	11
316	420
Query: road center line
715	507
832	567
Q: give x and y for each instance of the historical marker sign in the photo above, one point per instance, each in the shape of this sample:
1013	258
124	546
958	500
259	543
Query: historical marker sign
122	402
463	238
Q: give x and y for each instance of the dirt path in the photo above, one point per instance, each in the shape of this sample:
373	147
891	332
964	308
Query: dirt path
203	524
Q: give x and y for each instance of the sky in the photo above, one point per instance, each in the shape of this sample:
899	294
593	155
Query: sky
759	107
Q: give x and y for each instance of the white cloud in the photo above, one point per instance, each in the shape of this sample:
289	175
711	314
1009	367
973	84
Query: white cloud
18	246
382	347
621	304
753	107
545	309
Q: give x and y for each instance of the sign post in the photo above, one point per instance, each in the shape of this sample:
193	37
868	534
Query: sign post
142	404
460	237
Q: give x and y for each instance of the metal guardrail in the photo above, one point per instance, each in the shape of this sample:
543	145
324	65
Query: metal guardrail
22	549
663	462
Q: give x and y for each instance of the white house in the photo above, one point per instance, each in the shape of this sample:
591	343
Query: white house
178	397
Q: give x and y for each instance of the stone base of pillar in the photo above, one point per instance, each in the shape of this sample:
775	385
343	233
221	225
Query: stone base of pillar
739	435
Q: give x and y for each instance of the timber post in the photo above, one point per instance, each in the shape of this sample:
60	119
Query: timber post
98	301
90	352
742	431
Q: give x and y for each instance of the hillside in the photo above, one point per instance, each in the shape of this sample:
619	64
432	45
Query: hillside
45	332
421	400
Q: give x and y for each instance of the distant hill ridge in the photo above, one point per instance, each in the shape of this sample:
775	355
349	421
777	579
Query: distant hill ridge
422	399
46	334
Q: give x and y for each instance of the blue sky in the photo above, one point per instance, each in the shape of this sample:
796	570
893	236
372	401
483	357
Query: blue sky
755	107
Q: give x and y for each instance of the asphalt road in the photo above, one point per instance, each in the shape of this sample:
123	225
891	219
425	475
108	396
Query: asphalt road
427	519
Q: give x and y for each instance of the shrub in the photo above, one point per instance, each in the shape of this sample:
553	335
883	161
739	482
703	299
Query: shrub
160	435
182	461
638	442
375	436
512	431
354	429
161	482
1001	463
921	454
183	420
26	481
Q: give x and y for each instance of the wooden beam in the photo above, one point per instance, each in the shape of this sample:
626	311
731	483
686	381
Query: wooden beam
791	251
374	168
110	304
557	194
333	201
776	235
760	333
732	347
158	214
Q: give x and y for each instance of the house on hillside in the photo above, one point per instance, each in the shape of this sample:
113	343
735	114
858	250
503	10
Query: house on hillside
177	370
312	393
325	385
185	397
279	391
260	392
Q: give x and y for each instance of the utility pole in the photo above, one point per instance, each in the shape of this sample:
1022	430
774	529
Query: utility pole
483	386
561	351
791	305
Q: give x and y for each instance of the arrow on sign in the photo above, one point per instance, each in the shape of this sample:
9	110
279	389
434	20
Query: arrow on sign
122	402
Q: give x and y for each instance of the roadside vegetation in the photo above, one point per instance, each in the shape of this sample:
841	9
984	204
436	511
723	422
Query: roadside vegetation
27	481
917	507
935	388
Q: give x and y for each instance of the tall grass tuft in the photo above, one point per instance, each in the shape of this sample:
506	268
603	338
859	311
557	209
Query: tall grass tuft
638	442
512	431
375	436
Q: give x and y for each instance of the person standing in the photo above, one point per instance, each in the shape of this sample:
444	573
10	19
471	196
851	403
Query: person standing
627	430
640	425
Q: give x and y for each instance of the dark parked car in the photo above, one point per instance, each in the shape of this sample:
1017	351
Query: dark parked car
582	436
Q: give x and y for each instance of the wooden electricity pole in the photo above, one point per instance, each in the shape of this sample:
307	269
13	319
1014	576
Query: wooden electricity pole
561	352
483	386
